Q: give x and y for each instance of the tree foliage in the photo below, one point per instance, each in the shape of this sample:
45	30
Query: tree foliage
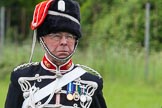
121	22
107	22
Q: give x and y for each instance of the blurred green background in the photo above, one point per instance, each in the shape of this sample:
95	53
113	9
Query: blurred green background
113	43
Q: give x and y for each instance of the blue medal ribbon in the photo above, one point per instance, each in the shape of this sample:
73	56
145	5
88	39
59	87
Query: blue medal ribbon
70	88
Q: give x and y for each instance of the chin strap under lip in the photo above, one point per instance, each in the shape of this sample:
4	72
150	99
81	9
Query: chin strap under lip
53	56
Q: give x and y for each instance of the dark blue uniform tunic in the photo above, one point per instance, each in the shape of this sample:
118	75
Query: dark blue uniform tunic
15	96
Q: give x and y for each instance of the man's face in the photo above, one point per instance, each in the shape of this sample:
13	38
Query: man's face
60	44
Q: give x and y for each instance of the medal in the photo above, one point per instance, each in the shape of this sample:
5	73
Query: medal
69	96
70	90
83	98
76	96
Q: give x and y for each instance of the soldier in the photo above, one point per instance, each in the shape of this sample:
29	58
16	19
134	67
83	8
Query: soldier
56	82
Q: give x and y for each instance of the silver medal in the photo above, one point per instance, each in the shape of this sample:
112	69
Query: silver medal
83	98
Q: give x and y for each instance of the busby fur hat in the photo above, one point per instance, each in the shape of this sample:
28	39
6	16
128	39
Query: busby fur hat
53	16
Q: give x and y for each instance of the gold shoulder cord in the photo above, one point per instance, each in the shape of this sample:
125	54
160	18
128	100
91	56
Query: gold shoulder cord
26	65
90	70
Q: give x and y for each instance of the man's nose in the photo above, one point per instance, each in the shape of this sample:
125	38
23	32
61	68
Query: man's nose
63	40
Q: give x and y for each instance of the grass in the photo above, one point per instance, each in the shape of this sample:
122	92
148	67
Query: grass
3	92
126	84
124	95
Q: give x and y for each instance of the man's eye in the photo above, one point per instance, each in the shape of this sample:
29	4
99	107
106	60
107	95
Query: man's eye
56	36
69	36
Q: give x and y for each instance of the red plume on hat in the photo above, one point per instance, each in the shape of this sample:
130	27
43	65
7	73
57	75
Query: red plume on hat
40	13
